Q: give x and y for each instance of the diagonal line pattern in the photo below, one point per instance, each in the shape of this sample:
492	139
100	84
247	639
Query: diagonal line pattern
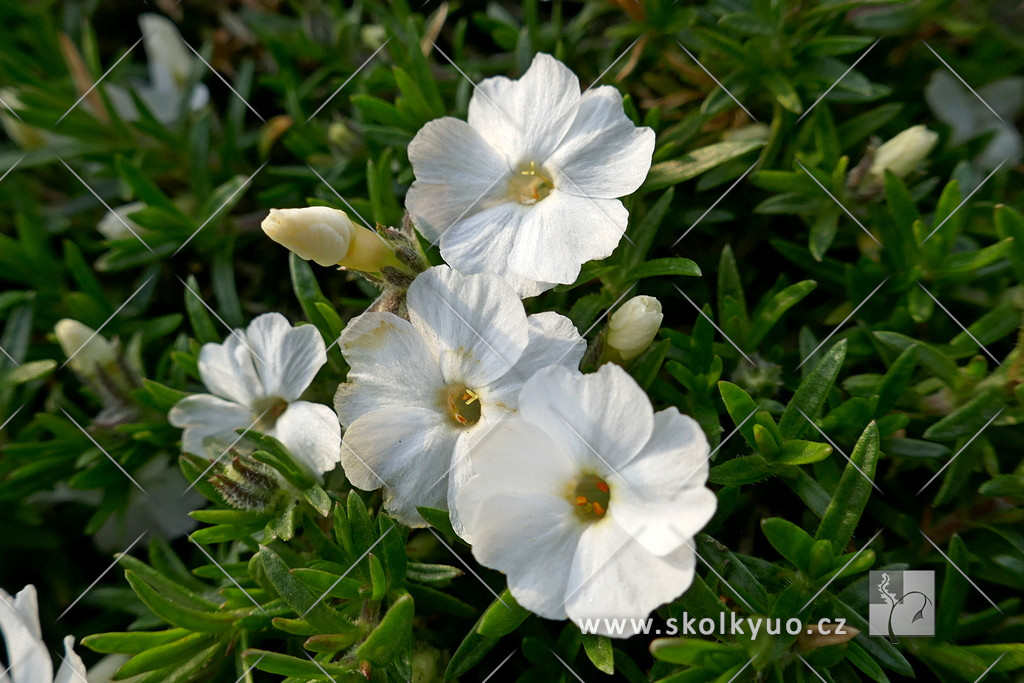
336	194
251	667
500	664
16	162
811	668
469	208
322	669
610	66
838	81
103	450
962	449
568	668
838	203
960	325
328	591
845	320
717	82
961	571
839	450
720	577
713	324
712	207
105	322
106	206
226	450
223	80
225	573
11	416
990	667
344	444
93	86
236	333
966	84
102	574
841	570
742	669
64	660
960	205
468	568
217	211
361	66
597	570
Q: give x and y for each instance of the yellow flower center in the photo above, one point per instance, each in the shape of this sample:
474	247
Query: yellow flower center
590	497
462	405
529	184
269	410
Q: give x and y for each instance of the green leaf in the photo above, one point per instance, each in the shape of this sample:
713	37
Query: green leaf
852	494
178	615
770	310
740	408
791	541
895	380
784	92
812	392
599	651
695	651
696	162
27	372
438	519
132	642
298	596
663	266
301	667
203	327
797	452
746	470
392	633
954	589
166	655
644	368
502	617
969	418
432	573
471	650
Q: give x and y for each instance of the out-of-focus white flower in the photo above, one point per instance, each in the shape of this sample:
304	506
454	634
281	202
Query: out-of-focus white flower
87	350
27	655
528	187
903	153
169	62
632	328
116	225
968	116
256	378
588	500
22	134
328	237
420	390
373	36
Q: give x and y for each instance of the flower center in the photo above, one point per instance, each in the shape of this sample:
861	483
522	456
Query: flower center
529	184
590	497
269	409
463	406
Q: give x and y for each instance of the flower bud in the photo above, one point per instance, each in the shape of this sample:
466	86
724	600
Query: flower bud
632	328
903	153
87	350
117	226
165	50
328	237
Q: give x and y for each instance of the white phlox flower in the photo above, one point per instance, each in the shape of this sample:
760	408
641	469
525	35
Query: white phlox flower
420	390
528	186
588	500
256	378
27	657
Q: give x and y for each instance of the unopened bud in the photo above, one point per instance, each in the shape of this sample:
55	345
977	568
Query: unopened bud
86	349
328	237
116	225
632	328
903	153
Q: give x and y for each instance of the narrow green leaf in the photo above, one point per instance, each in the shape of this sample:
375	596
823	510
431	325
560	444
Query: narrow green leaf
812	392
698	161
392	633
852	494
599	651
502	617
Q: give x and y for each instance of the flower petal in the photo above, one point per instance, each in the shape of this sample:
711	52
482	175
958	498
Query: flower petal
614	577
561	232
526	119
228	371
19	623
312	434
478	322
457	173
287	358
554	340
602	419
408	451
203	416
391	366
603	154
72	670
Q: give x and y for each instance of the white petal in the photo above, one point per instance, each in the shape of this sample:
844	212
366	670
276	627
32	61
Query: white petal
526	119
478	322
19	623
554	340
602	419
287	358
481	243
954	105
203	416
457	173
408	451
603	154
614	577
561	232
228	371
391	366
312	434
72	670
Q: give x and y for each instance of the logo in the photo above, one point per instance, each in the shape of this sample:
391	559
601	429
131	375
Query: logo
902	603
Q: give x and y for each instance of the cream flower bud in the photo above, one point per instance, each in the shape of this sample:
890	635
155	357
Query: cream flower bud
903	153
165	49
85	348
632	328
328	237
116	225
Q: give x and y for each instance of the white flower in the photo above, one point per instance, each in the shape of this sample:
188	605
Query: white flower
86	349
27	655
632	328
588	500
528	187
328	237
116	224
903	153
256	378
420	389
